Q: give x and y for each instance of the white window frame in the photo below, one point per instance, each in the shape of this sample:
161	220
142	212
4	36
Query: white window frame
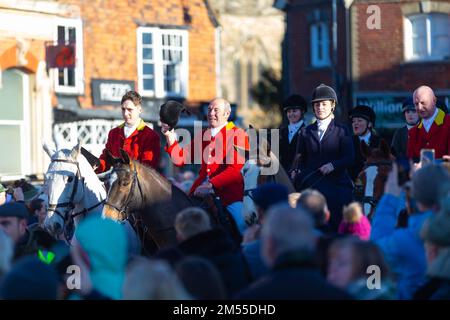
24	128
79	59
322	44
157	61
429	35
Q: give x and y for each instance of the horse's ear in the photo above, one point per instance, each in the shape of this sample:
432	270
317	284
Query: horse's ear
50	150
385	149
109	158
76	151
364	149
125	157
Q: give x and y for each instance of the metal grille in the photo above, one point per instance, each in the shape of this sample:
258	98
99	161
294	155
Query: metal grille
91	133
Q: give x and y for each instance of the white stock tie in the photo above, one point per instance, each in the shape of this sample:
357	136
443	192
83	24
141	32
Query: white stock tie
321	132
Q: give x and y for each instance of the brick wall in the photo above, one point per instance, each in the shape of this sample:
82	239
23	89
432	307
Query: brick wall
305	78
109	31
381	62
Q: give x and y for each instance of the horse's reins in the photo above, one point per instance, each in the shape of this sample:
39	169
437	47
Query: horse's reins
371	199
310	175
123	210
69	219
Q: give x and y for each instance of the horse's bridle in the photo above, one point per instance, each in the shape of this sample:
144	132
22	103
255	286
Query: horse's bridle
123	210
68	219
371	200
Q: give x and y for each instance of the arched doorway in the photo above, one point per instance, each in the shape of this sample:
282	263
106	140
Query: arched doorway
14	124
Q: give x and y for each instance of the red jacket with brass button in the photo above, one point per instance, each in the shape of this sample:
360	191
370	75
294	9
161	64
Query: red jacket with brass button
220	161
438	138
142	145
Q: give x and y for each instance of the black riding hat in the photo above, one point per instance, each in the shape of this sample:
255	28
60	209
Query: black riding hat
295	101
323	92
170	112
408	104
362	111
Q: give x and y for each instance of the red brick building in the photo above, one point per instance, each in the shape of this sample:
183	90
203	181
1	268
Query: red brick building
384	50
163	49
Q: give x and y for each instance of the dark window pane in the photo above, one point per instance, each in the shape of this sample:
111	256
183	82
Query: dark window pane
148	68
72	37
170	70
169	85
147	38
147	53
149	84
61	77
71	77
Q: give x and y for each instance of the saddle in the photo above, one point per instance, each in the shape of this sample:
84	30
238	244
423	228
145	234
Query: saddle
218	213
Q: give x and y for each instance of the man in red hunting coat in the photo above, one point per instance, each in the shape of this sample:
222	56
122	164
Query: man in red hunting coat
221	164
139	141
433	130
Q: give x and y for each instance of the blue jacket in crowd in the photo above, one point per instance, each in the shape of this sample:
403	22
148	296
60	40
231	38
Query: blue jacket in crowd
403	248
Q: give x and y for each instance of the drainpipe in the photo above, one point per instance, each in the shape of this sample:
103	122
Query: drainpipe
334	38
348	50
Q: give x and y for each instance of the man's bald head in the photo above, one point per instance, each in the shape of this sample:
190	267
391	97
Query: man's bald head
425	101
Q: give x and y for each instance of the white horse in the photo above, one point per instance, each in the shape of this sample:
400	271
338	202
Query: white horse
73	189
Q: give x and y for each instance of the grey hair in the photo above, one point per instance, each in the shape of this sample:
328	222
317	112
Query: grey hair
427	184
192	221
290	229
226	106
152	280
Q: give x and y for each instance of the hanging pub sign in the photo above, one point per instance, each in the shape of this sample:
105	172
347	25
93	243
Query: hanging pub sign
60	56
109	92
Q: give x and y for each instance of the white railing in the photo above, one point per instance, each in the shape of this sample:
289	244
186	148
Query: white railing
91	133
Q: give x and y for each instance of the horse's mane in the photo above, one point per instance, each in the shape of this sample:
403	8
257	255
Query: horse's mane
281	176
158	177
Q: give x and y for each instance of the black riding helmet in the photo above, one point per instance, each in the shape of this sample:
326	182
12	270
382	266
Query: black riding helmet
408	104
323	92
363	111
295	101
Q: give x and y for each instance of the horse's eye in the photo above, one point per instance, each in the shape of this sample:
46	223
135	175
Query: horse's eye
70	179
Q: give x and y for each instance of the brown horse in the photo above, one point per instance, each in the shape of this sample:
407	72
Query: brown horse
142	195
370	183
151	202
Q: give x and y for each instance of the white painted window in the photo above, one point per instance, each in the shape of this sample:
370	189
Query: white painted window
14	124
162	62
70	81
320	45
427	37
